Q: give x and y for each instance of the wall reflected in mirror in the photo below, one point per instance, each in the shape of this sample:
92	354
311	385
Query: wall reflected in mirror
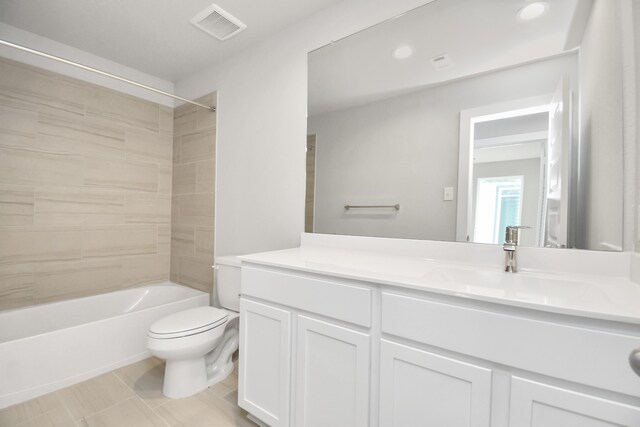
471	118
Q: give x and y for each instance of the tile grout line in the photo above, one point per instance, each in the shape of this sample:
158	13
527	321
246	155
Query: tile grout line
105	409
114	372
160	416
30	415
133	391
135	395
66	408
162	406
143	400
112	405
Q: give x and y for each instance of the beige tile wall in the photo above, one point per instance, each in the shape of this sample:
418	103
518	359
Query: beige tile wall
193	200
85	188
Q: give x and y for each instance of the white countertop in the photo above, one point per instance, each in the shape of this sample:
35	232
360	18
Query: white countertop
600	297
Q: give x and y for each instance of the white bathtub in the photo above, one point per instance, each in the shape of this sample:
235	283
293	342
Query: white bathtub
50	346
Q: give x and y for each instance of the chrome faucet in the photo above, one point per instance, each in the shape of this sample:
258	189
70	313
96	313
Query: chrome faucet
511	240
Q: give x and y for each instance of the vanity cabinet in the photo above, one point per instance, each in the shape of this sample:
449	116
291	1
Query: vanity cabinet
315	337
265	351
419	386
319	350
332	375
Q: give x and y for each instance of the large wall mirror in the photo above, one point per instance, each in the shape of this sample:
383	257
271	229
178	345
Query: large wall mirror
461	117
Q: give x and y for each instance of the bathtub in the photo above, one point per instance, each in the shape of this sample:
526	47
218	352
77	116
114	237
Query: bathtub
50	346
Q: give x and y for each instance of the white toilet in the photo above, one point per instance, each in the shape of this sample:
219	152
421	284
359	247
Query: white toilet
198	343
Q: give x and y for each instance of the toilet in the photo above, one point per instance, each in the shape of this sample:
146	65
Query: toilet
198	344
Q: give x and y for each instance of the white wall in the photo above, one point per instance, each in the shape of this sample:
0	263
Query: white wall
601	129
34	41
405	150
262	97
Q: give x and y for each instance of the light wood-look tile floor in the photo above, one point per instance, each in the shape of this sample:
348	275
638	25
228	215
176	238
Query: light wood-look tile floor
130	396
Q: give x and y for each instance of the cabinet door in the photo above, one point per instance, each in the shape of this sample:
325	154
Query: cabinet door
332	375
542	405
418	388
265	354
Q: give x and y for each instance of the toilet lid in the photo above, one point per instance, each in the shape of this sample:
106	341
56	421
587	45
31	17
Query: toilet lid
188	322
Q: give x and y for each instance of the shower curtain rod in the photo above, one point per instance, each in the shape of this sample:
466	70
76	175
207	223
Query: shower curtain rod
104	73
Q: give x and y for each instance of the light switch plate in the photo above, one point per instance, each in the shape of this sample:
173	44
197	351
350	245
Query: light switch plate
448	194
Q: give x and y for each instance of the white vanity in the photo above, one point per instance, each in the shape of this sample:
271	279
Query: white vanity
351	331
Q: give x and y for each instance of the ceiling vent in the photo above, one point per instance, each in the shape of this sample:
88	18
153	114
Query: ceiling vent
441	62
218	22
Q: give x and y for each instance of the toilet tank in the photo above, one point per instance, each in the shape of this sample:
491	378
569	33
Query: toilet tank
228	281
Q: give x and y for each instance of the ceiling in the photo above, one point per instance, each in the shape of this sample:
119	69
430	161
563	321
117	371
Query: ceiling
153	36
478	35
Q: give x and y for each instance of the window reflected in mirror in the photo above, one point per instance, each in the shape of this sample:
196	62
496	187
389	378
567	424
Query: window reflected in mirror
498	205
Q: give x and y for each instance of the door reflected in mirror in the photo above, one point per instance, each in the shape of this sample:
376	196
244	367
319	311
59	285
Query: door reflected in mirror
509	154
519	154
471	119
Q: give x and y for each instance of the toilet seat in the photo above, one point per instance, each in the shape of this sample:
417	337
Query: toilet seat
188	322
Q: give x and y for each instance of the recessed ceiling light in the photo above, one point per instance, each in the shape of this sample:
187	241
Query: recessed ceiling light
533	11
402	52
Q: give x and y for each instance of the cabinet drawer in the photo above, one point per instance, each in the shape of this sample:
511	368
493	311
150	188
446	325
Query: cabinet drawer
346	302
588	356
535	404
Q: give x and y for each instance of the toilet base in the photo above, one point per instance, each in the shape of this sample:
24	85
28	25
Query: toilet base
219	361
183	378
186	377
221	373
